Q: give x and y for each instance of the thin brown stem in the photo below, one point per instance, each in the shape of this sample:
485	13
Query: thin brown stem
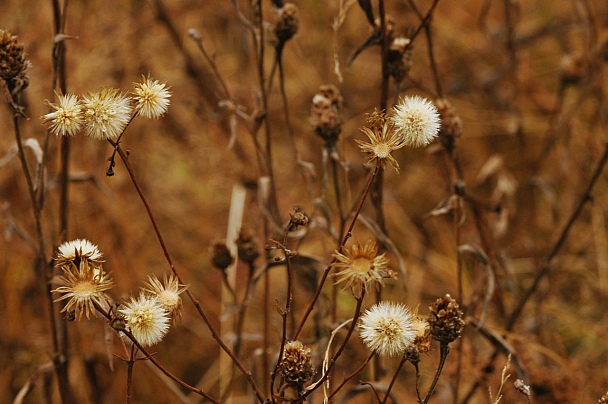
347	235
353	374
130	364
444	350
393	379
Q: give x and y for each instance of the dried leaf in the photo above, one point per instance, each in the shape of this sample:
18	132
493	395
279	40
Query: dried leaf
492	165
478	254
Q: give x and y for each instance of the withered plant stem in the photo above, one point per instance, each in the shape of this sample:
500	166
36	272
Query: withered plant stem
196	303
393	379
130	364
350	376
347	236
444	351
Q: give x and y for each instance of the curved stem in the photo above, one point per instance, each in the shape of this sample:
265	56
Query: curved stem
355	373
444	350
344	240
390	386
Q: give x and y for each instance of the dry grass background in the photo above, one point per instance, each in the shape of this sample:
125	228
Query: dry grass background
187	172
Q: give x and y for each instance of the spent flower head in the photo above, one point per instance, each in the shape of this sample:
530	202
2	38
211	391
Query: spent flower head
76	251
167	293
13	64
66	118
383	140
445	319
146	319
106	113
389	328
360	266
151	97
85	285
416	121
296	366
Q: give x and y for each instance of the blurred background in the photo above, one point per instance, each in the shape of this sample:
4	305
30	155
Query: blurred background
527	80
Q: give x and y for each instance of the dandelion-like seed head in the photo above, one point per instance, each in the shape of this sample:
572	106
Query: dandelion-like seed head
360	266
66	119
416	121
167	293
84	287
296	366
106	113
146	319
388	328
383	140
76	251
151	97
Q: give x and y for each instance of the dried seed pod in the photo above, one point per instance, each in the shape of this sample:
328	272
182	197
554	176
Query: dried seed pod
445	319
248	247
13	64
399	58
296	367
451	125
297	218
220	256
326	114
288	22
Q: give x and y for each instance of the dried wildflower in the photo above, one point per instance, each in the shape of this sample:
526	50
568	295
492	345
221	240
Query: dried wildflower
360	266
146	318
13	64
297	218
167	293
296	367
288	21
445	319
389	328
383	141
416	121
152	98
220	256
247	246
524	389
66	119
399	60
326	114
106	113
85	286
75	251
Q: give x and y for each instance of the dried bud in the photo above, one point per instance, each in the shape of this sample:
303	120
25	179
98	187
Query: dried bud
445	319
451	125
13	64
248	248
296	367
288	21
399	58
298	218
571	69
326	114
525	389
220	256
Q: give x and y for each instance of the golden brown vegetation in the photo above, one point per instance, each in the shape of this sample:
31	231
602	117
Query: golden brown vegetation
506	211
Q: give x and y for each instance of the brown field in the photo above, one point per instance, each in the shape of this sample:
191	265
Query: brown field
509	216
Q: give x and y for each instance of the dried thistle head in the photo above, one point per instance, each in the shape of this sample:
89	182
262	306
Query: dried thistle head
389	329
66	118
445	319
146	319
382	142
151	98
167	293
106	113
416	121
248	247
451	125
296	366
360	266
297	218
603	399
13	64
85	285
399	60
221	258
326	114
75	251
288	22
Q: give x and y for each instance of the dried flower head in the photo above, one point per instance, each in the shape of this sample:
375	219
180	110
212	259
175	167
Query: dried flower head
297	218
399	60
603	399
445	319
167	293
383	141
388	328
221	258
106	113
84	287
416	121
146	319
326	114
360	266
296	366
451	125
151	97
66	119
288	22
247	246
13	64
75	251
